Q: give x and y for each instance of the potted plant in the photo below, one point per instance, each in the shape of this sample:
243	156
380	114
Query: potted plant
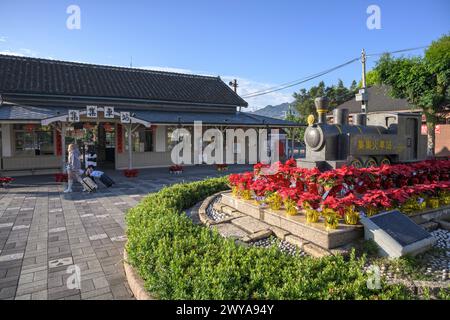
310	203
331	218
274	201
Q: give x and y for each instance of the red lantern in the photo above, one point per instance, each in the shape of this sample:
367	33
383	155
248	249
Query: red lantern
29	127
108	127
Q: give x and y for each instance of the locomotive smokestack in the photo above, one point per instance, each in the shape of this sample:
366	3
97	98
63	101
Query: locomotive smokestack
322	108
360	119
340	116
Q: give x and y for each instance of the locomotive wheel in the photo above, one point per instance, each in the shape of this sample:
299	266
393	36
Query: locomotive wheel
385	160
356	163
371	162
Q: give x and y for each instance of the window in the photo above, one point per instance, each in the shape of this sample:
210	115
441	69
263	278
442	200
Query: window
141	140
171	144
33	140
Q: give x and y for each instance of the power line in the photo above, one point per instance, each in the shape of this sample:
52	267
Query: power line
278	88
319	74
397	51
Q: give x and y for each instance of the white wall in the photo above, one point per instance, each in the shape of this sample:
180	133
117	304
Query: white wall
160	137
6	140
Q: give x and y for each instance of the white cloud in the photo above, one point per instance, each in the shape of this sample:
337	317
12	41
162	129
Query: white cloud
12	53
246	86
2	39
23	52
168	69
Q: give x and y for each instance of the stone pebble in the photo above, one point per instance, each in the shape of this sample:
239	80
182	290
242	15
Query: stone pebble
214	214
282	245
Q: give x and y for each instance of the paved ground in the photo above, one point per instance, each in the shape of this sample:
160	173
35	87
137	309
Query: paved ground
47	237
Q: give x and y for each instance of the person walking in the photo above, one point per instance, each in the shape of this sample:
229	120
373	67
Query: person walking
73	167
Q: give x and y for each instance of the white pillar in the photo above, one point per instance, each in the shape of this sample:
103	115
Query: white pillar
6	140
63	145
130	151
160	137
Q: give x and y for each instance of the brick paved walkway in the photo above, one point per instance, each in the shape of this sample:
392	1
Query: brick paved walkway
45	234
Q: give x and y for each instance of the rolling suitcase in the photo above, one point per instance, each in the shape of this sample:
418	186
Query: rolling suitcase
89	184
107	181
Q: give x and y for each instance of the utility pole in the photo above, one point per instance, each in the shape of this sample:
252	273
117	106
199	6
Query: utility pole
235	85
363	92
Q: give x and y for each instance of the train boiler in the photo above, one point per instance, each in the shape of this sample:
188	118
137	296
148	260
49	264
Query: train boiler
372	139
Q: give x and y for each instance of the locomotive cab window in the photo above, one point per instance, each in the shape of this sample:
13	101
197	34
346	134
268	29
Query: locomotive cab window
391	122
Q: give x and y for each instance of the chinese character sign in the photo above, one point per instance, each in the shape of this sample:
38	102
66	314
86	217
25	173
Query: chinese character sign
367	144
109	112
91	111
74	116
125	117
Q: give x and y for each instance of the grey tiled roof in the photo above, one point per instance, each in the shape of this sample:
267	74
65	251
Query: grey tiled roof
379	100
238	118
20	112
52	77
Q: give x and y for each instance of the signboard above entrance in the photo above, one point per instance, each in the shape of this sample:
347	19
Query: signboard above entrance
74	116
108	112
91	111
125	117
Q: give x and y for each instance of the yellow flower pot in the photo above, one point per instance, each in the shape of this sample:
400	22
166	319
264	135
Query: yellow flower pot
312	216
290	207
351	217
274	201
445	199
433	203
422	206
246	195
331	221
370	211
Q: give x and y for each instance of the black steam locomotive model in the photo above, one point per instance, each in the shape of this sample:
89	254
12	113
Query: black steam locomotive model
373	139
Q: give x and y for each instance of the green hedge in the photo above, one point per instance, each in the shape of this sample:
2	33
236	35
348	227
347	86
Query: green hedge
179	260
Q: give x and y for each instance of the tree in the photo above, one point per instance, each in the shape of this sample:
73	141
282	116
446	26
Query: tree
372	78
423	81
336	94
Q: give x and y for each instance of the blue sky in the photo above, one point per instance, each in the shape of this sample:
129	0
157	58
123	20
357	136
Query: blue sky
262	43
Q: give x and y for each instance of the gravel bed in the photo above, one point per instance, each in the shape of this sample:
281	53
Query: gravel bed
214	214
435	263
283	245
438	262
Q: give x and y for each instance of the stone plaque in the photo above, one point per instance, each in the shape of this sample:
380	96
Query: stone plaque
396	234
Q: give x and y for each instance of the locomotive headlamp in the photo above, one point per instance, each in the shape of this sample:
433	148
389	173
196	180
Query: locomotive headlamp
310	120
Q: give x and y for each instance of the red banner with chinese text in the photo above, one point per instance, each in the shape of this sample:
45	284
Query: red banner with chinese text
58	143
119	135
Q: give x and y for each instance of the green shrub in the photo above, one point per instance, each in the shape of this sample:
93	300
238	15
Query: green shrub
180	260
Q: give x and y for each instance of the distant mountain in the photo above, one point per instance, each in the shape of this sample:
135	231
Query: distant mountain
278	111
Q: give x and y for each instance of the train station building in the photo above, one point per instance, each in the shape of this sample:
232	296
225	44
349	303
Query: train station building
123	115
